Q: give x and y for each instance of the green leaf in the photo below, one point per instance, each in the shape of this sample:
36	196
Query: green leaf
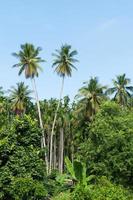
70	168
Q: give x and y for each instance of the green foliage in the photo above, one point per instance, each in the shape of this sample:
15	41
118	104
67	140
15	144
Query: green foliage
77	171
19	97
27	188
23	173
64	60
103	190
27	131
81	193
109	148
63	196
121	90
90	97
98	146
70	167
29	60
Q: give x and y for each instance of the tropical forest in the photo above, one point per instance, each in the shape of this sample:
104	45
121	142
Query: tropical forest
64	149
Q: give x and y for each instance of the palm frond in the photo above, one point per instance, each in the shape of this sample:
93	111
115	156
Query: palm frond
64	60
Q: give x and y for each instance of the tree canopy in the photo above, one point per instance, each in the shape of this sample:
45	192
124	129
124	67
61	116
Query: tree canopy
62	149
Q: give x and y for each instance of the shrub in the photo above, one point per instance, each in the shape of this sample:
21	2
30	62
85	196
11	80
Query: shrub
109	148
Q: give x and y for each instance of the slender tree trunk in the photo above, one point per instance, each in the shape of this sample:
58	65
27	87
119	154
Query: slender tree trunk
72	147
61	150
54	160
48	142
43	140
53	126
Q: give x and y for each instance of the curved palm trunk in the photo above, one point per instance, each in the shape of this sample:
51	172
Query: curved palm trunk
53	126
43	140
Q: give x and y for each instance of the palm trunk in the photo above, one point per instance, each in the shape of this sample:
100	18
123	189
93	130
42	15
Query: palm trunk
61	150
48	143
54	160
53	126
43	140
72	147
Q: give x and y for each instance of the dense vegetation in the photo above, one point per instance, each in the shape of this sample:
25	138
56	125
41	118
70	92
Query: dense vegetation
58	149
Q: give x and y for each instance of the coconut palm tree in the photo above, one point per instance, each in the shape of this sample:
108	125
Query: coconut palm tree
19	97
1	91
5	107
2	100
29	63
90	97
121	90
63	63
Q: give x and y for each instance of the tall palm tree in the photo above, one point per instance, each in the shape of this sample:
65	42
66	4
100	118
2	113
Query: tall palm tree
121	90
29	63
19	97
63	63
90	96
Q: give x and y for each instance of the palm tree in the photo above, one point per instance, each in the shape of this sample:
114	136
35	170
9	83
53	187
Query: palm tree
19	97
122	92
63	63
5	107
1	92
2	100
90	97
29	63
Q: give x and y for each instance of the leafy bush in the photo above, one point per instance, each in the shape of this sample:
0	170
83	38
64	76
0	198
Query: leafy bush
63	196
22	174
27	188
103	190
109	148
81	193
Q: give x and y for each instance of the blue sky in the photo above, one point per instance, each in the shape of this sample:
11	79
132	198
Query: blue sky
100	30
